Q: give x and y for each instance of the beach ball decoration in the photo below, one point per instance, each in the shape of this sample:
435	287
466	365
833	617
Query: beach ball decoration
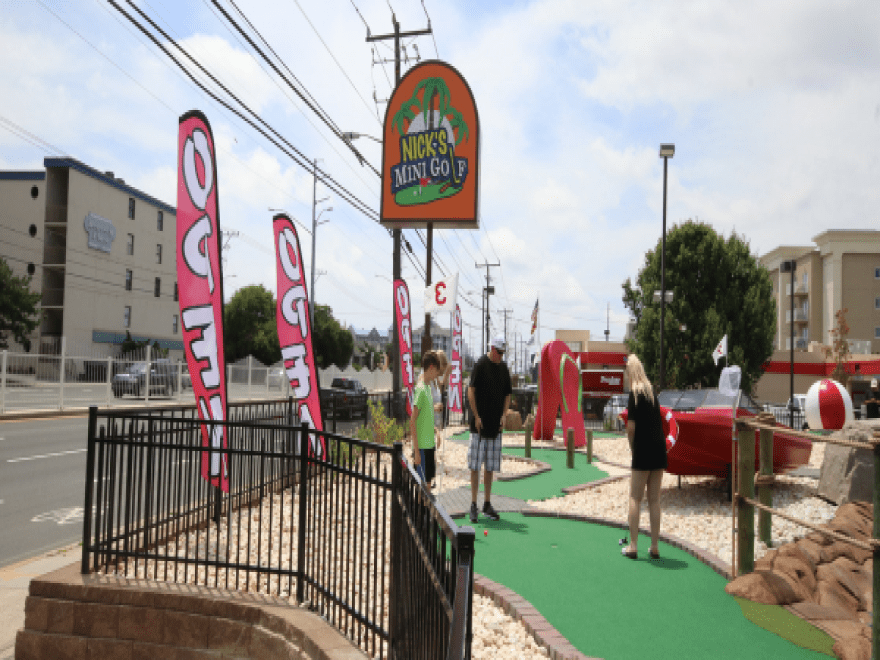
828	405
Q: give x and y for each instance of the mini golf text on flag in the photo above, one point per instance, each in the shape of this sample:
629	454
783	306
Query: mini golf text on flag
294	327
200	286
404	339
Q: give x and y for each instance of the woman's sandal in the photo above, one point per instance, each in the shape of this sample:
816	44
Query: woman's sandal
631	554
655	555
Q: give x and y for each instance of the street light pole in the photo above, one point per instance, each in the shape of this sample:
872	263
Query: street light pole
667	151
790	267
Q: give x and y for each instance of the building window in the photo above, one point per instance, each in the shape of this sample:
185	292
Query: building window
175	292
877	273
129	246
131	208
157	287
128	278
160	222
158	254
174	324
876	303
126	317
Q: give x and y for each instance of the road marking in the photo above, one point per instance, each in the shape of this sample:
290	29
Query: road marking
33	458
61	516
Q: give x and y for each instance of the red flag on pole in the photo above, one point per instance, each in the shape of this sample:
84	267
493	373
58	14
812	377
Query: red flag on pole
294	326
200	286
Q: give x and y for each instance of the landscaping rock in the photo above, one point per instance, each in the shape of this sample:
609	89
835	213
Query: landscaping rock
811	549
841	578
829	593
798	569
796	552
513	421
763	587
848	473
853	648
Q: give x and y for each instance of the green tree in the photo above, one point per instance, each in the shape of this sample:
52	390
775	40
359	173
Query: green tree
18	308
332	343
718	288
250	327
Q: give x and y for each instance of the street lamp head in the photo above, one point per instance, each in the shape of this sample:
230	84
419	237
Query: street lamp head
667	150
788	266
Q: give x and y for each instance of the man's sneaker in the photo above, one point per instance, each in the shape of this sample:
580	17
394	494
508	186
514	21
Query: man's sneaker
490	512
473	512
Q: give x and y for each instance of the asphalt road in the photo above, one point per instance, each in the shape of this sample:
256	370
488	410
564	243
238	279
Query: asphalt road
42	485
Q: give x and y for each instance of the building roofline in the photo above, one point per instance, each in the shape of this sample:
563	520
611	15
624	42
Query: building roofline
22	176
74	164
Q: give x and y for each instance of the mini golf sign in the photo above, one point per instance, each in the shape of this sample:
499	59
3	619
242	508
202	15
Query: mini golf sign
430	151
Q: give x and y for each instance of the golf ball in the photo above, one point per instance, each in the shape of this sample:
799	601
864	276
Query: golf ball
485	532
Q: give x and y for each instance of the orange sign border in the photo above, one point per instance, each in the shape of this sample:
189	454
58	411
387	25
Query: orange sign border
456	212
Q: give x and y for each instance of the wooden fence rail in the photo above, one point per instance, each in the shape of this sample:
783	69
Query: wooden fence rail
745	504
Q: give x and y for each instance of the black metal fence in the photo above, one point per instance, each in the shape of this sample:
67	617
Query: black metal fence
348	530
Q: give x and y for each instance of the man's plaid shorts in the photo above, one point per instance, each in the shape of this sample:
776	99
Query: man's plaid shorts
484	450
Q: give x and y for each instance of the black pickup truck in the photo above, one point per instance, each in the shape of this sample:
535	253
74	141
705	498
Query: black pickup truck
345	397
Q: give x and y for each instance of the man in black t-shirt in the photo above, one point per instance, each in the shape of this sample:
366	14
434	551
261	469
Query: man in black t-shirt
489	398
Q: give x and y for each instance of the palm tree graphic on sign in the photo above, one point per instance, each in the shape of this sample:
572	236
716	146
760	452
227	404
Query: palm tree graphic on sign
429	109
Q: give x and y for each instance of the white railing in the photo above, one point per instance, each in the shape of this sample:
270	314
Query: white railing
32	382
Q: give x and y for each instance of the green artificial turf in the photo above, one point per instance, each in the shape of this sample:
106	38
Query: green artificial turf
612	607
548	484
780	621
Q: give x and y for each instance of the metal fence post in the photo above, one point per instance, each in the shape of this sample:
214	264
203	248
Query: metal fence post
149	356
569	449
528	440
3	381
301	525
61	374
109	383
765	490
250	371
395	541
90	478
746	512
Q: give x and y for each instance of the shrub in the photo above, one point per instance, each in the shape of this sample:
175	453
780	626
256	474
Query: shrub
380	428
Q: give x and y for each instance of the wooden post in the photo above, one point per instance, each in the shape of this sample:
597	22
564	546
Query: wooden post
875	634
528	439
746	512
590	446
765	490
569	449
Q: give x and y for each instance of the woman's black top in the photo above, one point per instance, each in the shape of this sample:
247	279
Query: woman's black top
649	444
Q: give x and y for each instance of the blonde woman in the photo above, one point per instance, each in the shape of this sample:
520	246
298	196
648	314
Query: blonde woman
644	430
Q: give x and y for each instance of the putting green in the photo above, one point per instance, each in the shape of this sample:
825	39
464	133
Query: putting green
612	607
548	484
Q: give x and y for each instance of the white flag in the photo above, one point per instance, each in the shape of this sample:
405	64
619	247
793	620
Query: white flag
441	296
720	350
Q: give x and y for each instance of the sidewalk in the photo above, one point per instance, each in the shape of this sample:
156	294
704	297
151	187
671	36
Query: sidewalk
14	582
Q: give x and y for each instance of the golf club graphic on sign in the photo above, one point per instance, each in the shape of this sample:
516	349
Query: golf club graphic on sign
200	286
430	150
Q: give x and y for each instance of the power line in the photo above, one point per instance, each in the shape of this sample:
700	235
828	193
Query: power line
299	158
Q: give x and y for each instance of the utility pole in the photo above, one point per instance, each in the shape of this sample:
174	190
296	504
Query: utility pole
488	290
395	233
505	312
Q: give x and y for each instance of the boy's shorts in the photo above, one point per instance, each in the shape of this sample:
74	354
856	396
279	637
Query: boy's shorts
427	469
484	450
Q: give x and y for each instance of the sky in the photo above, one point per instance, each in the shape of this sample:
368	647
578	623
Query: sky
774	110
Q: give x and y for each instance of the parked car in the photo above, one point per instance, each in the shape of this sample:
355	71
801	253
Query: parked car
163	379
611	414
345	397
